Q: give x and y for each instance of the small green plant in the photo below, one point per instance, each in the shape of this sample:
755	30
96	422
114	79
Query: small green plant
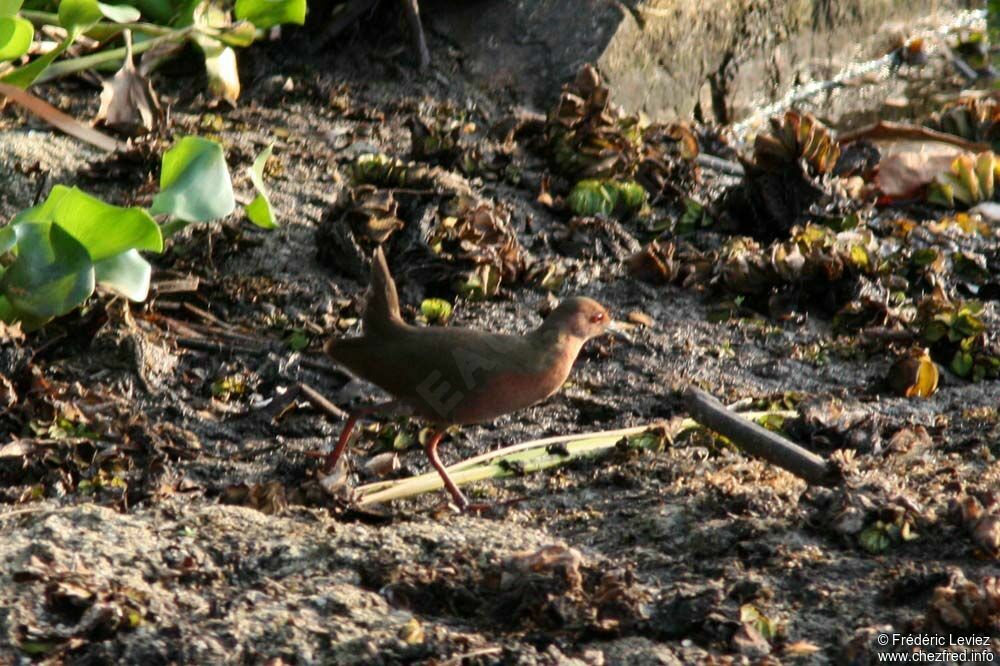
53	255
606	197
207	24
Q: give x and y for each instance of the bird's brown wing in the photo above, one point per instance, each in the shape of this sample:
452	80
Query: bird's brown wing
456	375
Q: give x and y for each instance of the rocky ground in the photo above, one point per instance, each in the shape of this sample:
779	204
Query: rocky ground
156	511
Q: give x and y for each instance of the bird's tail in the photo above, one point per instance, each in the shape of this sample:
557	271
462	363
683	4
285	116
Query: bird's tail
382	311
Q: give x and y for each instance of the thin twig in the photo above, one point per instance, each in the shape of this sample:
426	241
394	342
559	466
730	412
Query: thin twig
317	400
60	120
759	441
888	131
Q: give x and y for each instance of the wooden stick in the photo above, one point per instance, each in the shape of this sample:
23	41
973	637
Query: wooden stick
757	440
889	131
60	120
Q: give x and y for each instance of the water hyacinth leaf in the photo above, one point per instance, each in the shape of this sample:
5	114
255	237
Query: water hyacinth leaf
961	363
23	77
127	274
259	210
194	183
159	11
10	7
52	274
15	37
78	15
240	35
119	13
102	229
265	14
8	239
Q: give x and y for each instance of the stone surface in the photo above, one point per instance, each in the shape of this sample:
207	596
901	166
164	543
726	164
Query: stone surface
670	58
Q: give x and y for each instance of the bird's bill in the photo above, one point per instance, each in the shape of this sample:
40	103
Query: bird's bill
617	329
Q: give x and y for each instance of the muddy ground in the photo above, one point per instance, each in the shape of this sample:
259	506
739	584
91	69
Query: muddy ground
156	514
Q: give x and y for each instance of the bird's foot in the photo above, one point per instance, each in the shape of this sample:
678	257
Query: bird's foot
477	508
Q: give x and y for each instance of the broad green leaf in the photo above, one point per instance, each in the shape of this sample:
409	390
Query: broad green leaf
10	7
159	11
78	15
52	273
240	35
104	230
267	13
126	273
194	183
15	37
119	13
8	239
23	77
259	210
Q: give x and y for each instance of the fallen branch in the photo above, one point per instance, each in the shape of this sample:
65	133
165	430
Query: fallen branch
889	131
60	120
759	441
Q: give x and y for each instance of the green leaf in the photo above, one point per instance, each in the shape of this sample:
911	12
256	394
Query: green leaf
259	210
267	13
119	13
15	37
194	183
159	11
8	239
240	34
104	230
592	197
126	273
23	77
961	363
10	7
52	273
78	15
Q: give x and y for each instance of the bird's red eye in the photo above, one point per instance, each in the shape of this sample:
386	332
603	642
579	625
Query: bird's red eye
597	318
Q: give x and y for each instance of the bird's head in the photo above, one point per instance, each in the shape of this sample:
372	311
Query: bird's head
580	317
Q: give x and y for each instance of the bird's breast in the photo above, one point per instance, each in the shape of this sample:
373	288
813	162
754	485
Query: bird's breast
497	393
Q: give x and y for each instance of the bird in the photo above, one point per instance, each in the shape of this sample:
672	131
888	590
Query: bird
450	376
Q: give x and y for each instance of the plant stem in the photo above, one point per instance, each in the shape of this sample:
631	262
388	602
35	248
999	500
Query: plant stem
73	65
102	30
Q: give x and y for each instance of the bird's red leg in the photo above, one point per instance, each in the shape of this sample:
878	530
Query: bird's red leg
345	435
456	495
431	449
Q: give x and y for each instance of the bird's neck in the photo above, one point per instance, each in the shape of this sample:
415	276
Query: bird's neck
558	341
